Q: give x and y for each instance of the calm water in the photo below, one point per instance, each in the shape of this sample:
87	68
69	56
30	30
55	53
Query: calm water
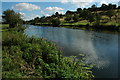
100	48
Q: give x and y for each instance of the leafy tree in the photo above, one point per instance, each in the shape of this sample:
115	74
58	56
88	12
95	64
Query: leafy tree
97	19
110	13
84	14
104	7
79	10
42	19
93	8
91	17
12	18
75	17
112	6
36	20
69	12
57	14
68	17
118	7
55	22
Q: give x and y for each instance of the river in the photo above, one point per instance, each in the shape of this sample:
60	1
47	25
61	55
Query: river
100	49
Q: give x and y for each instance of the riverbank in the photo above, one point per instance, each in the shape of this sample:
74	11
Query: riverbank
105	29
29	57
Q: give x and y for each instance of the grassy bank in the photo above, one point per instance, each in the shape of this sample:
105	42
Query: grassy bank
29	57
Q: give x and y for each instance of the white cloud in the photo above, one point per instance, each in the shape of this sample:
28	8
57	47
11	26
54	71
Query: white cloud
25	6
81	3
54	9
22	14
78	3
103	2
51	10
28	16
64	1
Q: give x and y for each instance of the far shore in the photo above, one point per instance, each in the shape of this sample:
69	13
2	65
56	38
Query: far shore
100	28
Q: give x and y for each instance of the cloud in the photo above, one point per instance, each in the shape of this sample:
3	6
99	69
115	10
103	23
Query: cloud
44	13
31	16
64	1
54	9
22	14
103	2
78	3
28	16
51	10
25	6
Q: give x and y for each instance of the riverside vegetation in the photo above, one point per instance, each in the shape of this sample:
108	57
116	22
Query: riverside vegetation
30	57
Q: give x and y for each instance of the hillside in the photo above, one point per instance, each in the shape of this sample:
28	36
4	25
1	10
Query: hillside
106	17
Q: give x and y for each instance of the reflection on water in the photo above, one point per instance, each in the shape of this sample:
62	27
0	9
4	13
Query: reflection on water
99	48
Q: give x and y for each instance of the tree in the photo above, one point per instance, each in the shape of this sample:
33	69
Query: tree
12	18
118	7
110	13
93	8
68	17
75	17
42	19
36	20
55	22
79	10
97	19
112	6
104	7
69	12
90	17
84	14
57	14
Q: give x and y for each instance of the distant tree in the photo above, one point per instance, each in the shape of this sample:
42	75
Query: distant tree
97	19
93	8
110	13
104	7
118	7
57	14
12	18
69	12
36	20
68	17
84	13
42	19
75	17
79	10
111	6
55	22
91	17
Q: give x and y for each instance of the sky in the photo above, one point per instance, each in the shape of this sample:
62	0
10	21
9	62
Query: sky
29	9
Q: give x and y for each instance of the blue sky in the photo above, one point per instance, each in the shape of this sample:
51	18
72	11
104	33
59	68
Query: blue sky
30	10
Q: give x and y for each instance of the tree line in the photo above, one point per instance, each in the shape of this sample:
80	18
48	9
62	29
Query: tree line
91	14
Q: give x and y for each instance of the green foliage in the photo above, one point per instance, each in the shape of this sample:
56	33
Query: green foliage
110	13
12	18
68	17
75	17
29	57
55	22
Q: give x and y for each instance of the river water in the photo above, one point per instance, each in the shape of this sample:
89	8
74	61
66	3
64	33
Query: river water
100	49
